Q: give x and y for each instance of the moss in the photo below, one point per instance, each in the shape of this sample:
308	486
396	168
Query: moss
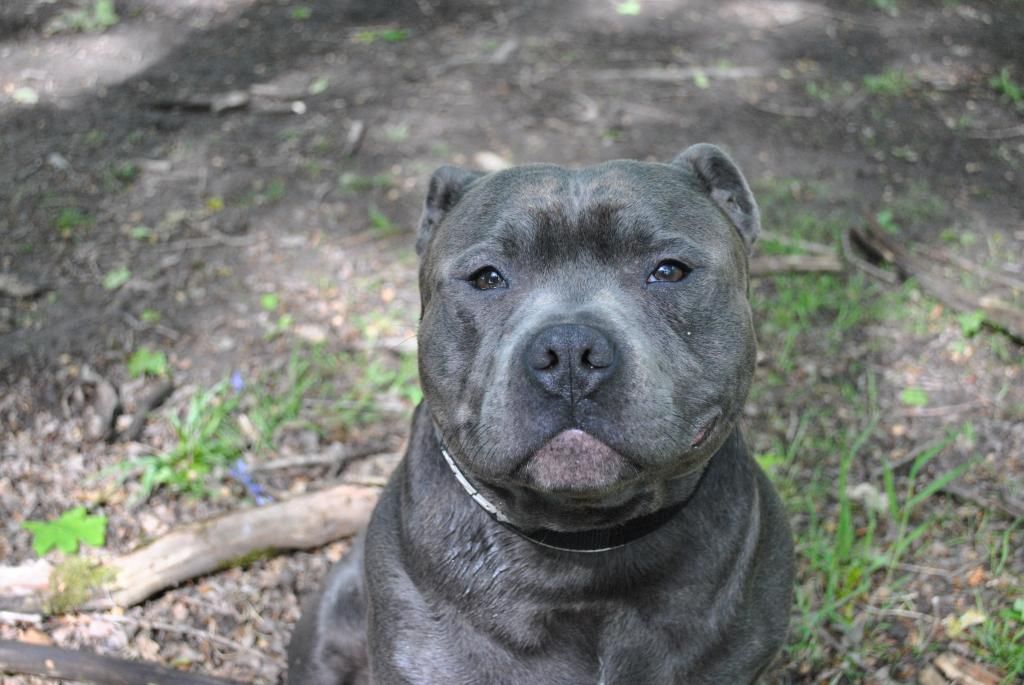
73	583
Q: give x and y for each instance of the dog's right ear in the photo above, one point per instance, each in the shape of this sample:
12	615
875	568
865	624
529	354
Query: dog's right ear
447	186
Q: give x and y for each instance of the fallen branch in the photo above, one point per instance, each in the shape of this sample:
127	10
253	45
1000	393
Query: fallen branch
299	523
676	74
929	276
152	401
1006	504
80	665
777	264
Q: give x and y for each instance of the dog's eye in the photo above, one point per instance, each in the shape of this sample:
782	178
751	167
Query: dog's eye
670	271
487	278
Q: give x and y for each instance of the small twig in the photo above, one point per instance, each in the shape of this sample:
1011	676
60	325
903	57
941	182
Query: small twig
224	239
354	138
932	412
365	481
783	110
975	269
157	397
1010	508
928	570
899	613
15	617
82	665
337	458
797	243
864	265
908	459
768	265
998	134
676	74
184	630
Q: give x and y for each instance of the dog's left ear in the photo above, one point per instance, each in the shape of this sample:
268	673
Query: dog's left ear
724	182
447	186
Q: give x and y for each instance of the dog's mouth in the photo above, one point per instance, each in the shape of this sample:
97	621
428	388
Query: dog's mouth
705	432
575	462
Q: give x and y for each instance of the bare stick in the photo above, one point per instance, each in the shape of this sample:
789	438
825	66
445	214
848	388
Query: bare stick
72	664
676	74
299	523
997	313
769	265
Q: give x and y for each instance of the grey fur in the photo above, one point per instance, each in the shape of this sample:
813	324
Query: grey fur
437	591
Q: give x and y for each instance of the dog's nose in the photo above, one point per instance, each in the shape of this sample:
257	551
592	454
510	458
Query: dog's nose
570	360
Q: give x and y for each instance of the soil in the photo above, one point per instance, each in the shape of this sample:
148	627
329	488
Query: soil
113	159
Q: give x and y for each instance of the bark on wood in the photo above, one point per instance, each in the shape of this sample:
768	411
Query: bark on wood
299	523
70	664
930	276
780	264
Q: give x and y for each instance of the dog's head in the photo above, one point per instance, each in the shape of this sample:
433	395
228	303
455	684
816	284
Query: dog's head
585	334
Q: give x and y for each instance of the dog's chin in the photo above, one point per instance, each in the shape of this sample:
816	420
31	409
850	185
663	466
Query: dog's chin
576	464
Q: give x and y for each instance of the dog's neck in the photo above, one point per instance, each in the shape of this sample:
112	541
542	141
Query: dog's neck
584	541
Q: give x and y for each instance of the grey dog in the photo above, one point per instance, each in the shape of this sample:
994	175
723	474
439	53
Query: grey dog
577	504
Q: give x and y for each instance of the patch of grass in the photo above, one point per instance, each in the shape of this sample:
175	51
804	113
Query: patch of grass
125	172
792	306
890	83
890	6
319	85
70	220
379	379
1006	86
204	439
630	8
380	223
914	397
397	133
852	537
353	182
274	192
1001	639
117	277
971	322
827	92
145	361
387	35
92	17
221	423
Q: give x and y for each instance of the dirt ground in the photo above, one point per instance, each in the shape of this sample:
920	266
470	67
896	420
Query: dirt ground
235	183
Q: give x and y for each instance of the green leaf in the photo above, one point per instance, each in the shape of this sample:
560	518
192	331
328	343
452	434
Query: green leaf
914	397
150	316
630	8
65	533
104	14
115	278
381	222
970	323
269	301
701	80
318	86
25	96
887	220
386	35
141	233
769	460
145	361
301	13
